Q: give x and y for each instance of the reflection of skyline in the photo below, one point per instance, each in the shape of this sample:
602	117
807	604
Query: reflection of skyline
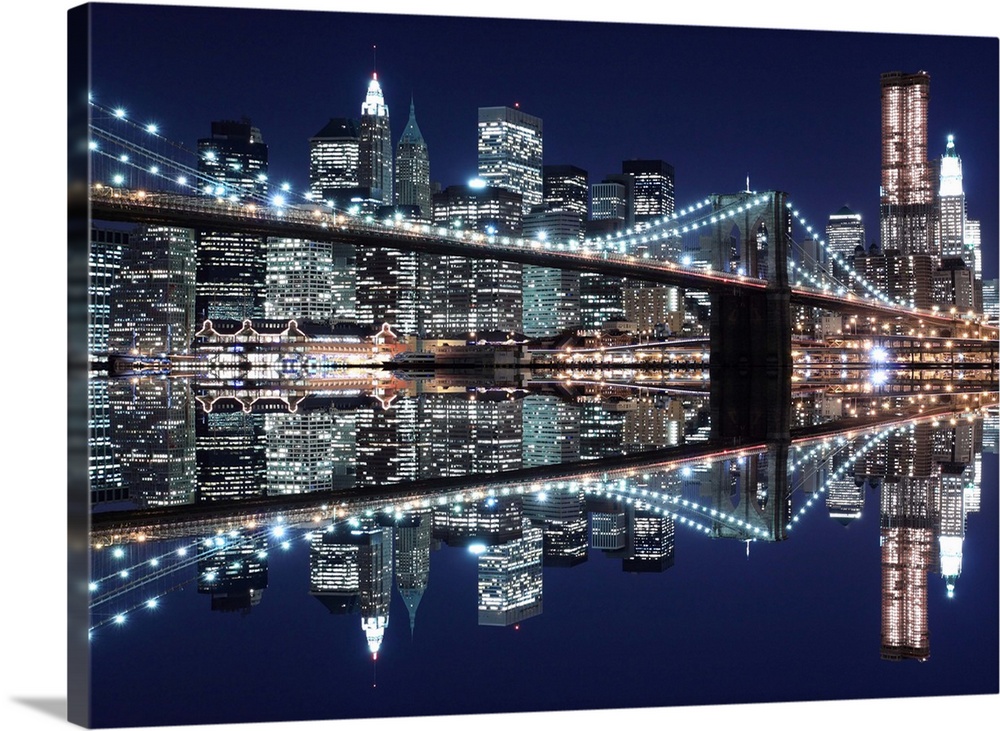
925	494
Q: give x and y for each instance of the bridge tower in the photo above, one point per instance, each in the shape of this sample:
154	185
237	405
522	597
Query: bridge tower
751	330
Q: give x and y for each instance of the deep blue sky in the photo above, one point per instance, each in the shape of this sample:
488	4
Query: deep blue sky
796	110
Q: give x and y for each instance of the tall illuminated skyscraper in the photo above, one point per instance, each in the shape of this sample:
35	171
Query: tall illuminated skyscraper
951	204
413	168
334	158
333	179
510	152
375	145
231	266
907	200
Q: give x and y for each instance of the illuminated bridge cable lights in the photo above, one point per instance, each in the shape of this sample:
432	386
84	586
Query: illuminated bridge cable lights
852	273
871	442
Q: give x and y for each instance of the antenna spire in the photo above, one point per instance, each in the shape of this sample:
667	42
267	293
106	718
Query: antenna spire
374	62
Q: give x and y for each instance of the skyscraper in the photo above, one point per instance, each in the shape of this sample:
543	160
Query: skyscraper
566	187
334	158
907	189
845	232
333	179
375	145
510	152
413	168
104	261
231	267
951	204
465	295
153	298
652	188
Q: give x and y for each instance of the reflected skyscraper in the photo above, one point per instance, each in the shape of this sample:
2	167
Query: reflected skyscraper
510	579
413	559
230	445
233	571
562	516
153	435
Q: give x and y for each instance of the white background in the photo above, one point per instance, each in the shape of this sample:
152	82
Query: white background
32	572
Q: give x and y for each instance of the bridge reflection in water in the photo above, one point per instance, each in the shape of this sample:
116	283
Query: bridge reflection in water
543	474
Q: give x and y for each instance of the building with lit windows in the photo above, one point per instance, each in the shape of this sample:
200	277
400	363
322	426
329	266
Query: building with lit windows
230	451
907	195
562	516
302	451
375	145
300	279
413	559
609	531
104	474
153	440
845	232
153	298
551	296
388	441
386	288
510	579
551	430
566	187
233	574
907	279
473	295
413	168
510	152
334	158
468	434
951	204
652	188
493	522
991	300
652	548
104	261
232	267
610	201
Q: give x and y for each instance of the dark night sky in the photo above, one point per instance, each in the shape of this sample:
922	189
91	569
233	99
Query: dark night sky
796	110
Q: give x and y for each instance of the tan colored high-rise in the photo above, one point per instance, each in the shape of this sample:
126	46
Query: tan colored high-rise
907	193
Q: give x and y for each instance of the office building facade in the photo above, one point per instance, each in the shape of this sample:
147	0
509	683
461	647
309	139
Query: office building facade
510	152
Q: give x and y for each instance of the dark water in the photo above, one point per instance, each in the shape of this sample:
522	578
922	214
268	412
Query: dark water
436	547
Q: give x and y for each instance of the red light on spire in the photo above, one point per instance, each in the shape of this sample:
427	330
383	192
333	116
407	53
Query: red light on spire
517	105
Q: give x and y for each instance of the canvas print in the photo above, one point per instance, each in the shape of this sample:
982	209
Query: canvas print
429	365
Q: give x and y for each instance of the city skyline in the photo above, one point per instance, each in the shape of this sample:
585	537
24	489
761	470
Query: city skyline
727	131
38	694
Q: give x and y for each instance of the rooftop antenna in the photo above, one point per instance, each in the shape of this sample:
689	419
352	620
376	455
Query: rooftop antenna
374	669
374	63
748	183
